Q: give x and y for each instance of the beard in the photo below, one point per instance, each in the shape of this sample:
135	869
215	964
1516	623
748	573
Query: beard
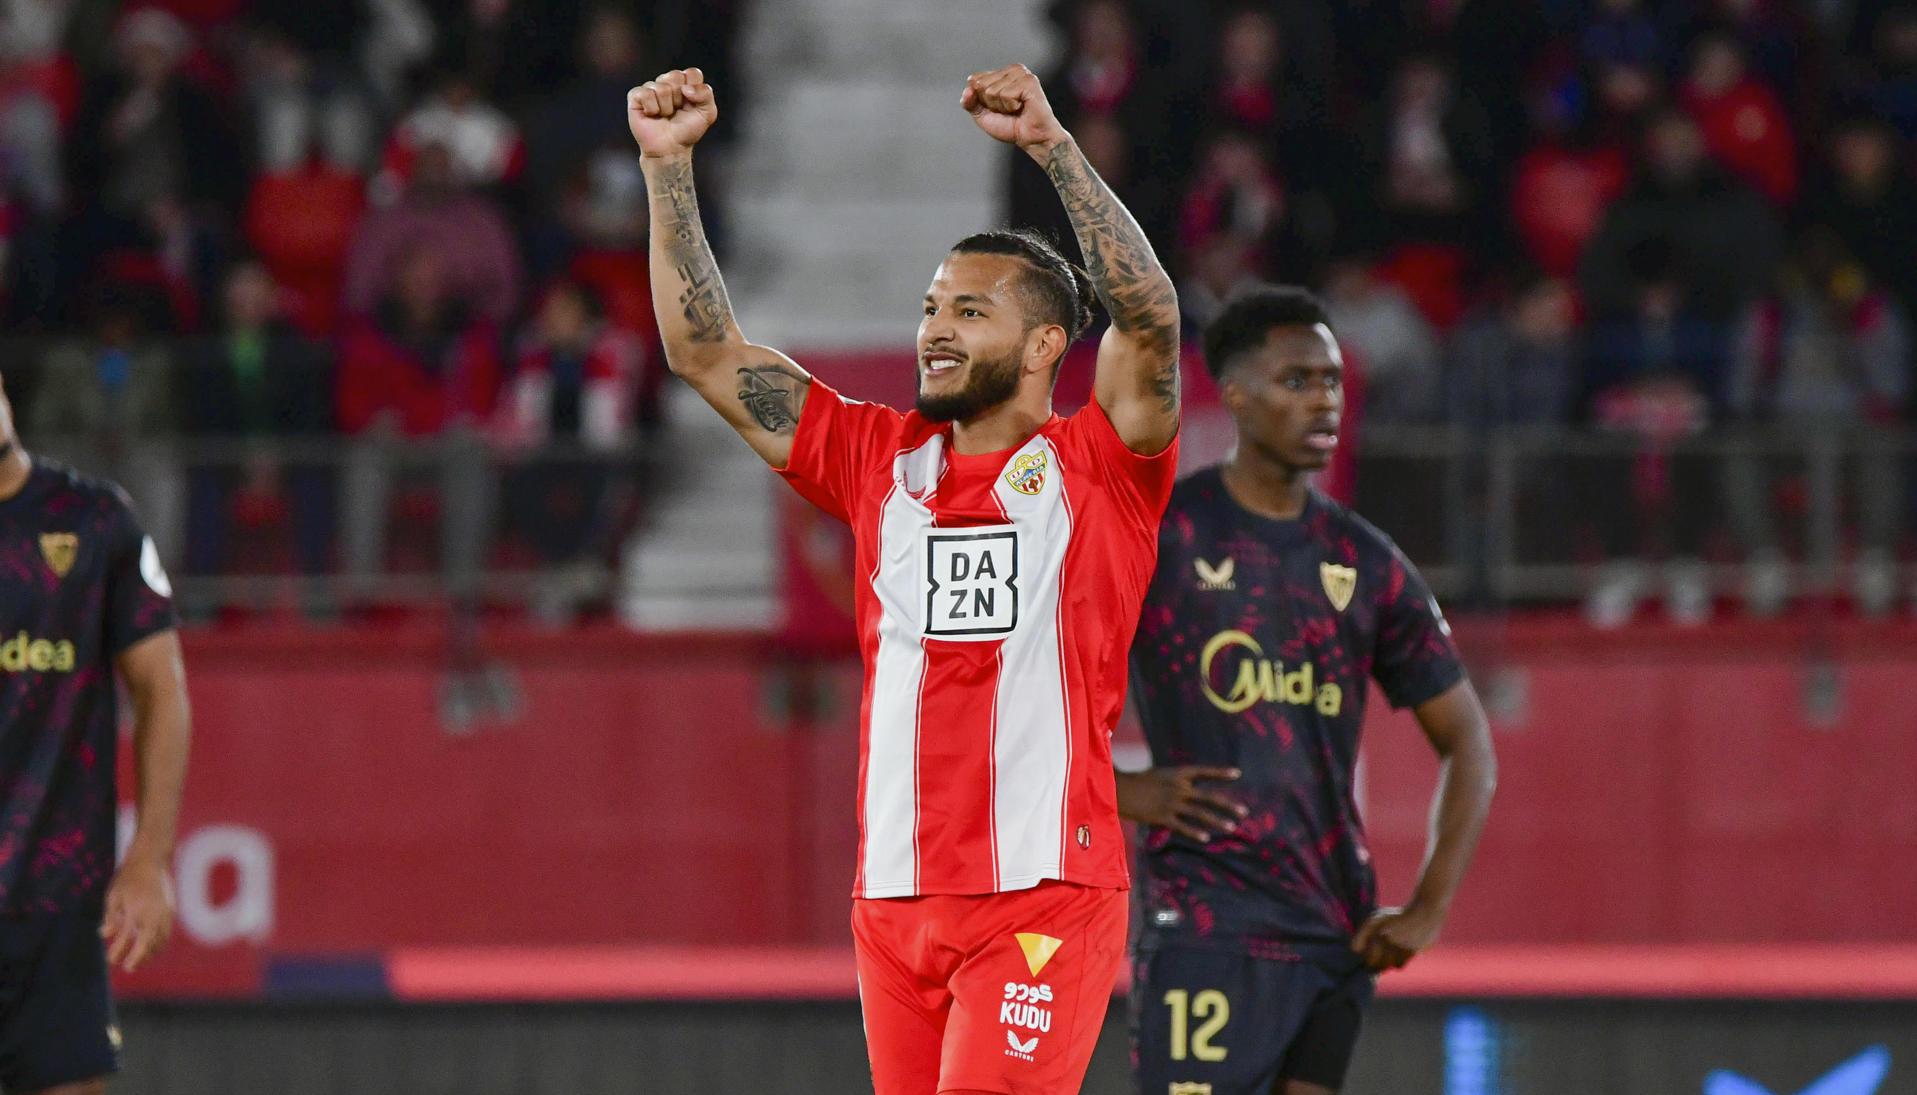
988	383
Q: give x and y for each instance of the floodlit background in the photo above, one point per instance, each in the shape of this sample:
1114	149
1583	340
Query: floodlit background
526	698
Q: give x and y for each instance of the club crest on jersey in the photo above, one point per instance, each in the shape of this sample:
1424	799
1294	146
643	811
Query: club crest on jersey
1216	579
1339	582
59	549
1027	475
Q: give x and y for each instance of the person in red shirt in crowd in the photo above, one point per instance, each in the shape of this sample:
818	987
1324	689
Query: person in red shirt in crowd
1743	123
421	366
1236	192
1562	186
469	232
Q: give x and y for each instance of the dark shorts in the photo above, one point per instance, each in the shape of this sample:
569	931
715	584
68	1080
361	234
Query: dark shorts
1208	1022
56	1009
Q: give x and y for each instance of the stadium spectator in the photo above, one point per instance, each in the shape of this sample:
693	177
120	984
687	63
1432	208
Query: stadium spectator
1514	364
1826	358
1719	238
1742	121
423	366
1561	188
1869	200
105	400
572	124
258	381
1262	89
467	231
304	102
483	144
301	224
1394	346
1653	378
576	383
151	157
1431	154
1235	192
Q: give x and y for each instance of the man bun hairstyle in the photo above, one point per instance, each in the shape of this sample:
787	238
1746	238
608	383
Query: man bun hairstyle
1056	291
1249	316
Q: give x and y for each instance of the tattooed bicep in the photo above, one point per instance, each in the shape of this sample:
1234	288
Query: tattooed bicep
773	395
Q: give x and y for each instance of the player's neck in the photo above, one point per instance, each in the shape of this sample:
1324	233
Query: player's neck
15	467
1006	426
1265	487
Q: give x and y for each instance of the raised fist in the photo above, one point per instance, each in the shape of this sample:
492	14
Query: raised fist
1009	104
669	115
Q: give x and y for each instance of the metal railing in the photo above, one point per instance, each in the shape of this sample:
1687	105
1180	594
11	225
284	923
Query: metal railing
1494	518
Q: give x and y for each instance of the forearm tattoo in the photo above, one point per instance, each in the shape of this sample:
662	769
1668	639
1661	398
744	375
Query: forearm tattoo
702	298
1133	287
772	395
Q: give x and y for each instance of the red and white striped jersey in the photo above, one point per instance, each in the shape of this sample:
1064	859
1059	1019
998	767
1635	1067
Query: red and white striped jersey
996	606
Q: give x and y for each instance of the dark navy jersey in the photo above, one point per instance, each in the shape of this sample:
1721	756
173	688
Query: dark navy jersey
1255	649
79	584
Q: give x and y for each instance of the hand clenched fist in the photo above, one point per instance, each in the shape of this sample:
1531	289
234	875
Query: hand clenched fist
669	115
1009	104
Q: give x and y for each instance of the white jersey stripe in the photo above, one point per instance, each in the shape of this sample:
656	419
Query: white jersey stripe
890	865
1031	758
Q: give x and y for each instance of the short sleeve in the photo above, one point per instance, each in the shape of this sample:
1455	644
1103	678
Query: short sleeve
1415	659
139	596
837	443
1142	484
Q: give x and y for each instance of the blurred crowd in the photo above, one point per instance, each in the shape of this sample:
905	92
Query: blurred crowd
1662	219
388	219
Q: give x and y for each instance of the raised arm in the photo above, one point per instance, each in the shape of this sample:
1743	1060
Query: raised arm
757	390
1137	378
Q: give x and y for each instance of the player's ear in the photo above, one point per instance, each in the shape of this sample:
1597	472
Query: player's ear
1044	345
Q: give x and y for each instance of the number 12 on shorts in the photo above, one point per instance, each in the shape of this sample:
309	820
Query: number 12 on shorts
1211	1009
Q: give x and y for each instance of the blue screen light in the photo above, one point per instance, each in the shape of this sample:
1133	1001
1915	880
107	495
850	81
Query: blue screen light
1471	1054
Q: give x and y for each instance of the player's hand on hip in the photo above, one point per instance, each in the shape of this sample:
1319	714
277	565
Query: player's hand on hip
1009	104
139	913
1393	937
1172	798
669	115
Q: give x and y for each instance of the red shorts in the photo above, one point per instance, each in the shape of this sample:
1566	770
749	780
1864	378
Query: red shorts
987	992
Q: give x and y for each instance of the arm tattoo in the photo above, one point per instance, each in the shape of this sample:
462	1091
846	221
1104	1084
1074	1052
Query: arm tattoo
770	393
1133	287
702	300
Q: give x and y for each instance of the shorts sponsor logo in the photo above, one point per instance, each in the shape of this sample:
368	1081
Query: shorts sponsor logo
1254	679
1028	473
1190	1089
1216	579
1021	1007
1024	1050
113	1037
1038	949
1339	582
59	549
971	583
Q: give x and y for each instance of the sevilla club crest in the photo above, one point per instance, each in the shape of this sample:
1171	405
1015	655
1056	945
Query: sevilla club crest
1340	582
60	549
